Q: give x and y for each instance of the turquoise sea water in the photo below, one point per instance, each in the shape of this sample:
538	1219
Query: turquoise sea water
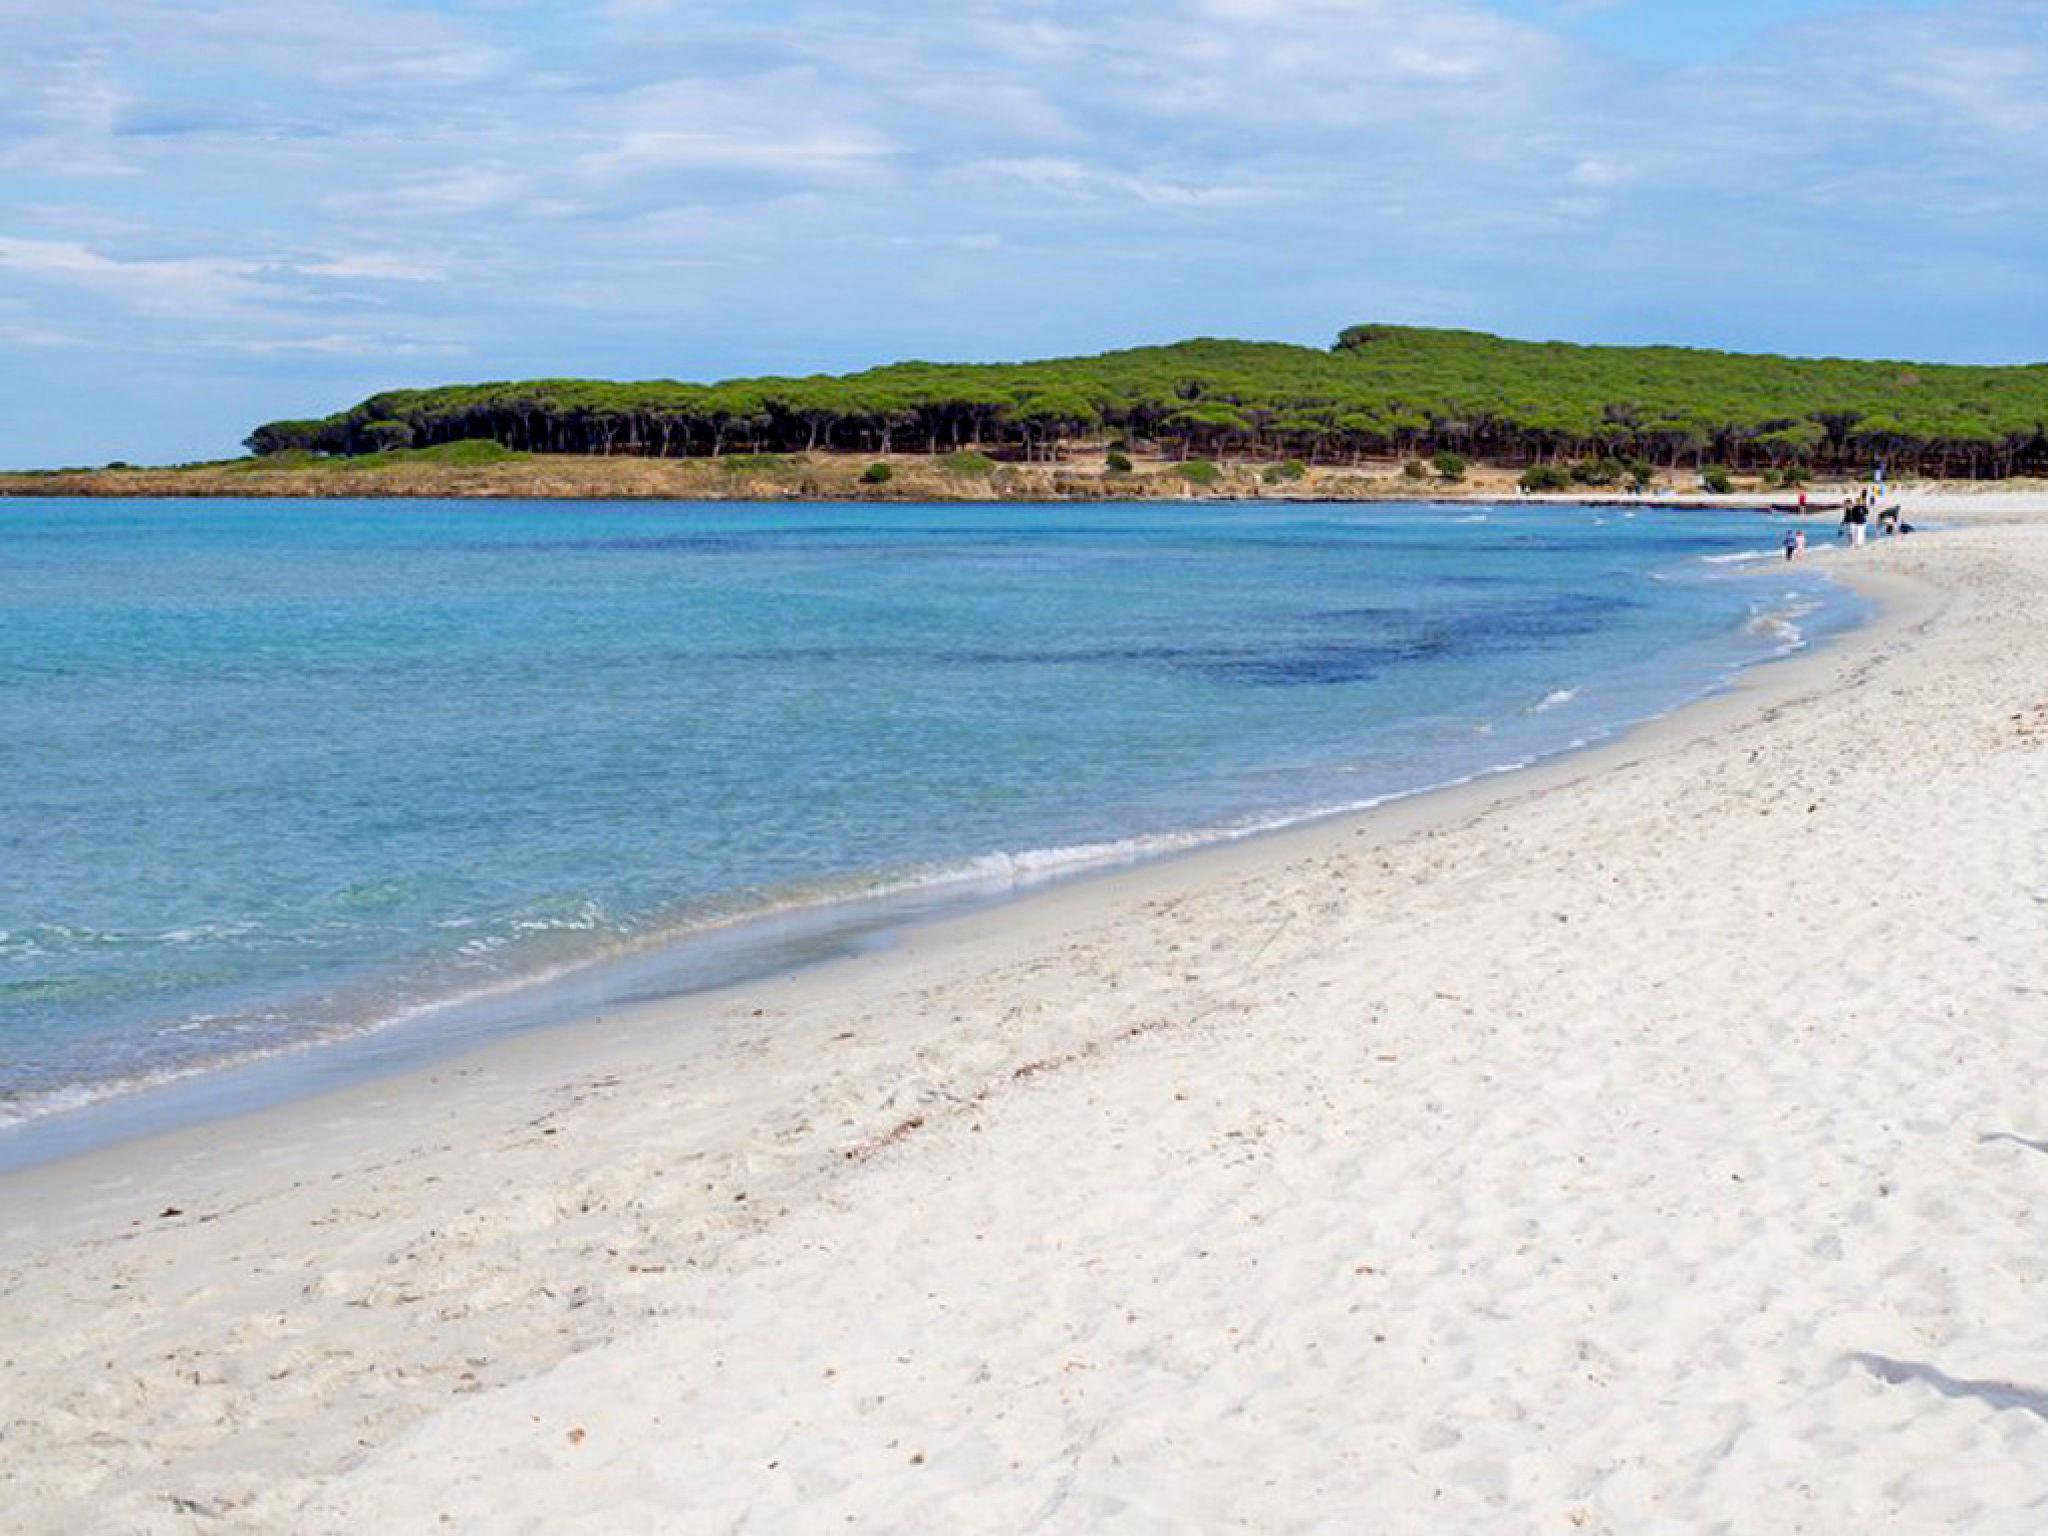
281	773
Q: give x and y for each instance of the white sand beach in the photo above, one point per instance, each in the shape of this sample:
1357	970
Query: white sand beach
1652	1141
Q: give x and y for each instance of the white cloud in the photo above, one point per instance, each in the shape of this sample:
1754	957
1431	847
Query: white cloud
30	333
334	344
146	286
376	268
645	150
574	185
1076	179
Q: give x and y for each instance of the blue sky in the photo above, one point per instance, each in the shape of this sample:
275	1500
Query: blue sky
1675	33
227	210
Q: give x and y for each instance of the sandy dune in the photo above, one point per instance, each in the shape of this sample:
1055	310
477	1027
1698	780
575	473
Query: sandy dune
1656	1141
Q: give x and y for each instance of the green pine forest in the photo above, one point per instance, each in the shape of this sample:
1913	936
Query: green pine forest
1381	391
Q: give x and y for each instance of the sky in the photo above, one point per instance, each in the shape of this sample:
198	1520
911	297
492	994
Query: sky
219	212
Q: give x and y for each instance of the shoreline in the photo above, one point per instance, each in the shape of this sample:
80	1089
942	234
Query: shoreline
826	479
666	970
1896	608
1641	1137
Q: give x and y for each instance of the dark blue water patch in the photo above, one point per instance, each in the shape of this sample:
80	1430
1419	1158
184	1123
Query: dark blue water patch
837	538
623	544
1325	666
1019	543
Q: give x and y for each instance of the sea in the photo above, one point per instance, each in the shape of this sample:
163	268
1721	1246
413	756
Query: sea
293	792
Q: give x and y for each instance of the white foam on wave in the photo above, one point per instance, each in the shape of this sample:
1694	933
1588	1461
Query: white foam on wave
1742	557
1780	624
70	1097
989	875
1555	699
39	939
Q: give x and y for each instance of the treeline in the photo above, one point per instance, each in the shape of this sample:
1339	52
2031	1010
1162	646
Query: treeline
1381	391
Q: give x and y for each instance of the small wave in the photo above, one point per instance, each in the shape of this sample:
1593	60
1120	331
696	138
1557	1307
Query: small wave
1555	699
992	874
43	939
587	917
1476	517
20	1109
1780	624
1741	557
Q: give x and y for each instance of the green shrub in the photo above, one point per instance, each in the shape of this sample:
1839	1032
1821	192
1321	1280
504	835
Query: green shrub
1119	462
1717	480
1201	472
1641	473
1415	469
754	463
1450	466
1607	471
464	453
969	463
877	474
1292	469
285	437
283	458
1792	476
384	436
1545	477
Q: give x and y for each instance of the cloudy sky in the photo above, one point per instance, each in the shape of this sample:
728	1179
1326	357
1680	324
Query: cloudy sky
220	211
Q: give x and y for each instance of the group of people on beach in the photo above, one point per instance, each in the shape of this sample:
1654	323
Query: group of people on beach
1861	511
1858	513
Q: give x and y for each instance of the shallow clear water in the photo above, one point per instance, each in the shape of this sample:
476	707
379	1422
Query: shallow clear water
279	772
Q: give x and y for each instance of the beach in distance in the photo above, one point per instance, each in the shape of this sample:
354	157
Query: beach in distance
1649	1138
1387	412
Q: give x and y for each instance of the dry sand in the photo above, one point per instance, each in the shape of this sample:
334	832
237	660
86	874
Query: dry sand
1654	1141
